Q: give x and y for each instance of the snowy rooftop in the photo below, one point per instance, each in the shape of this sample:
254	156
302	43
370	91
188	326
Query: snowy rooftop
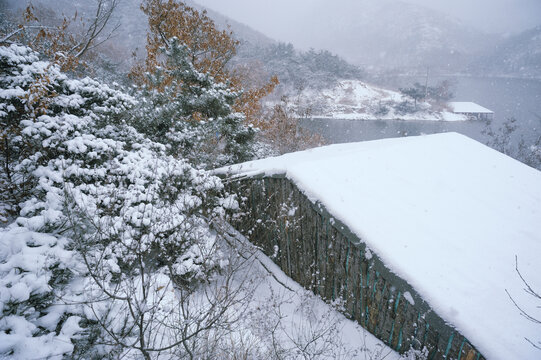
468	107
445	213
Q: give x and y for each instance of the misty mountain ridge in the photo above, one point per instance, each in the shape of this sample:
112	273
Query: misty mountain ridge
380	36
517	56
241	32
391	34
262	55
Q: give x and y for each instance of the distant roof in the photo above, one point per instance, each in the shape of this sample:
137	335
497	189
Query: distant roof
468	107
445	213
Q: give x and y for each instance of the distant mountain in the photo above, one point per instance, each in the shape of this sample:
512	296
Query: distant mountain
386	34
519	56
265	56
241	32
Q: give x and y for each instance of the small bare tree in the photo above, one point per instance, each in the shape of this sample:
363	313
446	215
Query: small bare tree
170	296
282	130
533	293
67	41
506	140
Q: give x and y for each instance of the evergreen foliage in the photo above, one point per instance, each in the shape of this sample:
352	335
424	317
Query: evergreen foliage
193	114
440	94
103	212
315	69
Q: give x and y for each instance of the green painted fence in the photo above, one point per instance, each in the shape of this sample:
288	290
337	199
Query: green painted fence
323	255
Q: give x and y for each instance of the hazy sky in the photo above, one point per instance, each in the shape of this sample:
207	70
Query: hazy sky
496	16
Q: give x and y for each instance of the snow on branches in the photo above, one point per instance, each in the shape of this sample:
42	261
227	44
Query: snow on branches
103	217
192	113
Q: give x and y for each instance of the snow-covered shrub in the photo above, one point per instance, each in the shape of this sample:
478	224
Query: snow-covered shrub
35	269
110	227
192	113
506	140
44	117
39	107
405	107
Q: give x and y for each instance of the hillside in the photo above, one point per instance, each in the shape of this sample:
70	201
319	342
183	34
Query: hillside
386	34
257	52
356	100
518	56
295	69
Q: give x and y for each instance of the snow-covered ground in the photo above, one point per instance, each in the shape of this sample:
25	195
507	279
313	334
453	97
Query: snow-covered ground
445	213
356	100
299	319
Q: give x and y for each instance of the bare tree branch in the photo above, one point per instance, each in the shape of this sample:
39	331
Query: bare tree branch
530	291
99	22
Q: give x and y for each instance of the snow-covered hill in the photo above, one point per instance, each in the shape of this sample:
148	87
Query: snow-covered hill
353	99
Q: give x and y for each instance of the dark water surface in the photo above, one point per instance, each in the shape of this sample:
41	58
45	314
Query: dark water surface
516	98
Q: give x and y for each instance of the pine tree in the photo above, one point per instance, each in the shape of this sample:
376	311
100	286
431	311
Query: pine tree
113	224
417	92
45	120
192	113
208	49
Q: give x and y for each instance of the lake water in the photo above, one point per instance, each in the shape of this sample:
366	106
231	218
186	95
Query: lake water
516	98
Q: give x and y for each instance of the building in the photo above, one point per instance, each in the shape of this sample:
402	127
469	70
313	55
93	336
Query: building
472	110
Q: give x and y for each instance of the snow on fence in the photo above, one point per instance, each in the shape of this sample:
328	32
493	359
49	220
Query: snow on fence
323	255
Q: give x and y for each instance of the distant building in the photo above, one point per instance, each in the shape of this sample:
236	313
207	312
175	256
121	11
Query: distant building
472	110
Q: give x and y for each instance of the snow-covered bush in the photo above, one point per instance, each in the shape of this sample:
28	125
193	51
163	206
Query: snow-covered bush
39	108
506	140
110	229
193	114
44	117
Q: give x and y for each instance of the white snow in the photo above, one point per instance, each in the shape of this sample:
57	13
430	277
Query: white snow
409	298
445	213
357	100
468	107
303	314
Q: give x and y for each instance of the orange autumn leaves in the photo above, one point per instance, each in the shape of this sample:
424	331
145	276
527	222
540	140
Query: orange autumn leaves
209	50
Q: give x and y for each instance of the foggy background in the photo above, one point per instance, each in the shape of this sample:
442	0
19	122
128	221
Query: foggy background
282	19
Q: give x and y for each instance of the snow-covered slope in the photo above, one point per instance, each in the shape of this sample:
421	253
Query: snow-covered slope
445	213
356	100
301	316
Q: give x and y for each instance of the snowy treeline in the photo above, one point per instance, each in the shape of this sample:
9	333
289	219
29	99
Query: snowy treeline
298	69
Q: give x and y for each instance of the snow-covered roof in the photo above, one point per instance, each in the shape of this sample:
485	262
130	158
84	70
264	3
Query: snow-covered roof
445	213
463	107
